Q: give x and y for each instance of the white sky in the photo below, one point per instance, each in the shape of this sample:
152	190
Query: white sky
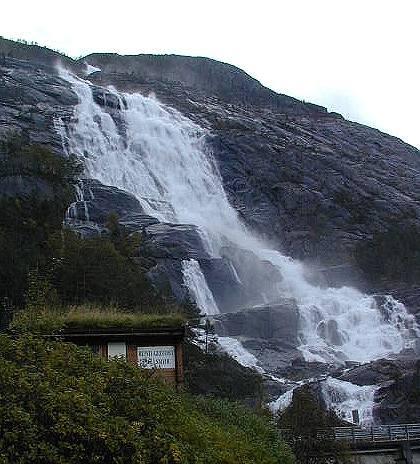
360	58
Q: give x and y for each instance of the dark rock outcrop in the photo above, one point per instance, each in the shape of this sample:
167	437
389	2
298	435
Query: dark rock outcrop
399	400
270	333
220	376
34	102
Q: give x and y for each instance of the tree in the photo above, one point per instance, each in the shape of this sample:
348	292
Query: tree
305	425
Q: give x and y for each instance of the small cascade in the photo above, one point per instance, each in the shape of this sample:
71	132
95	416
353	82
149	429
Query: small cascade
150	150
199	291
236	350
282	402
342	397
345	397
73	210
60	128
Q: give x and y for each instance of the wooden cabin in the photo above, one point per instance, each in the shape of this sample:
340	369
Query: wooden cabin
156	349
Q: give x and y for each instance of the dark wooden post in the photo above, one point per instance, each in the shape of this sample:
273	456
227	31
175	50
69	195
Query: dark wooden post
179	364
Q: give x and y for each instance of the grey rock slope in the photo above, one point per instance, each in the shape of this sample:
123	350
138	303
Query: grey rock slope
208	76
309	181
33	99
314	184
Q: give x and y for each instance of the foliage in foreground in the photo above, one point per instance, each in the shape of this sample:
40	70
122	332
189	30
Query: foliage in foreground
220	375
61	404
302	424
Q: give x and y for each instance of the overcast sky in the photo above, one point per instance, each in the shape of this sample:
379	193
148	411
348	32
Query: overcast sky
360	58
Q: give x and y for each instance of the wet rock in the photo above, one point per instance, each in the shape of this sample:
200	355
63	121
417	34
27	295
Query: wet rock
229	292
167	276
399	400
268	332
99	201
33	99
259	277
379	371
177	241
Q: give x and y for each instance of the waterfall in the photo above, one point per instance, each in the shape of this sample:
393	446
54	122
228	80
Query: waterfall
345	397
197	285
340	396
282	402
158	155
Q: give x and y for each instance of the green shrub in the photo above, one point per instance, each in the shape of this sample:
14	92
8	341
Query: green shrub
60	404
303	423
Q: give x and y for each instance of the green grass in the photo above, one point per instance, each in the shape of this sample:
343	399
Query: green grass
51	321
60	404
79	318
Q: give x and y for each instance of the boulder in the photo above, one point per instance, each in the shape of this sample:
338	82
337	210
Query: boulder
268	332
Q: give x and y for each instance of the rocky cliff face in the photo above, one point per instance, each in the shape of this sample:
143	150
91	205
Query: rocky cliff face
308	181
311	182
209	77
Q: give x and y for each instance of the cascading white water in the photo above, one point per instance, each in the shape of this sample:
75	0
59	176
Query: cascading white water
196	282
340	396
345	397
160	156
235	350
283	401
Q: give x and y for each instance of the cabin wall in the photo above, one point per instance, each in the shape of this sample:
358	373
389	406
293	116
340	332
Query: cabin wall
171	376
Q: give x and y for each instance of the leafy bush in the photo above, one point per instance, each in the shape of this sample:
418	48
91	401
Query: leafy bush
60	404
302	424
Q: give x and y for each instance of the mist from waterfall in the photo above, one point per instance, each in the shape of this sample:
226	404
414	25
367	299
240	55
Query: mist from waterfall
158	155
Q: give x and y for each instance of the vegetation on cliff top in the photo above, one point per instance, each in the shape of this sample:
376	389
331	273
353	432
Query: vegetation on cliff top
60	404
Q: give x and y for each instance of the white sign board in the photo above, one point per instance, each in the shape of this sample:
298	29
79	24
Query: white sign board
156	357
117	350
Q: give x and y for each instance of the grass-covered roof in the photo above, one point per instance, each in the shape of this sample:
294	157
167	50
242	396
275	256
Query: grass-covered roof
51	321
